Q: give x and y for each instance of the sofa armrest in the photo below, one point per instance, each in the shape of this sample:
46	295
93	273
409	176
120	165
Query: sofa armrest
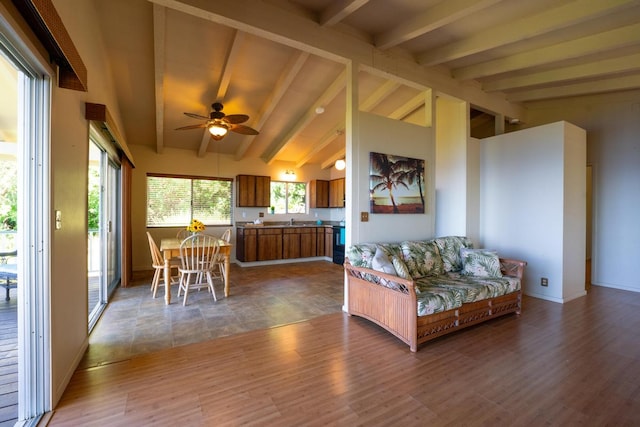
377	277
512	267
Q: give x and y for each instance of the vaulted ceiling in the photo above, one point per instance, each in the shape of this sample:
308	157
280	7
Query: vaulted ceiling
283	61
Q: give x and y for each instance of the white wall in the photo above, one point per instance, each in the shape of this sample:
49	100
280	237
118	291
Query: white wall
387	136
451	167
612	123
532	189
69	160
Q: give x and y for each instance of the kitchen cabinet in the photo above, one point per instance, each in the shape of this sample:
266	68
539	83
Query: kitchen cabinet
336	193
320	241
286	242
299	242
318	194
328	242
269	244
246	244
253	191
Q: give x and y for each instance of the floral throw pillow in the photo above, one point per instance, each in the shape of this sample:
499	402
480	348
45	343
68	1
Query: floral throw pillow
401	267
449	248
480	263
422	258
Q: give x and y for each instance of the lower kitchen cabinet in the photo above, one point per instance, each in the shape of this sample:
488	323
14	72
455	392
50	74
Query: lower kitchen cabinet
299	242
328	242
246	244
273	243
269	244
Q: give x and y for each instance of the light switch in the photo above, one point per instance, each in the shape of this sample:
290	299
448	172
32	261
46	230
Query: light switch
58	220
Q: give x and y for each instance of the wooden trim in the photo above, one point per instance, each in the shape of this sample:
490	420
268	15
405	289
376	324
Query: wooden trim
44	21
127	240
173	175
100	113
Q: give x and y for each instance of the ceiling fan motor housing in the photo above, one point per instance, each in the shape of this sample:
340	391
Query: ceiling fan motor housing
217	111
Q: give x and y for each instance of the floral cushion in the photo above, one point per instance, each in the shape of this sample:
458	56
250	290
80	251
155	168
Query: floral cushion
435	299
362	254
480	262
453	288
401	268
422	258
449	248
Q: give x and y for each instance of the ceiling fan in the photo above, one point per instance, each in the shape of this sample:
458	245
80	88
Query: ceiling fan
218	123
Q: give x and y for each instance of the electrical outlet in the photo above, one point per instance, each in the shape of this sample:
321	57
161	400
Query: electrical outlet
364	216
544	281
261	214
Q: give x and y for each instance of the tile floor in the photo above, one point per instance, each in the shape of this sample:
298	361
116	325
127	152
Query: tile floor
260	297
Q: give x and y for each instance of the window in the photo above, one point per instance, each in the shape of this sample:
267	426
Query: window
289	197
173	201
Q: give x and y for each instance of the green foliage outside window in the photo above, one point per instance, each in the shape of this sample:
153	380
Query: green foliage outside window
289	197
93	199
175	201
8	195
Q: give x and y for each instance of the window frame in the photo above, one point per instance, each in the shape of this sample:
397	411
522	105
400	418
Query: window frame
191	178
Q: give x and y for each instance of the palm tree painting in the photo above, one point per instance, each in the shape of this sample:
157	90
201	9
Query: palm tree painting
396	184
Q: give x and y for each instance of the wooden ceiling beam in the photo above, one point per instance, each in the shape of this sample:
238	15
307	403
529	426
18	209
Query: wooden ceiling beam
291	70
329	94
436	17
335	132
409	107
579	89
159	48
331	160
269	21
596	43
522	29
338	10
601	68
379	95
227	71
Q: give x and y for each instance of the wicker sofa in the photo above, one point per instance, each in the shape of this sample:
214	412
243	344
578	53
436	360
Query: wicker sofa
420	290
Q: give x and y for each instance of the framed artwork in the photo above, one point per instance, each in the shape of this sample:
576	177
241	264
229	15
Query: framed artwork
396	184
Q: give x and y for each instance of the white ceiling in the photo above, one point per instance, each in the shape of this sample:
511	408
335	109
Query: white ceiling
277	60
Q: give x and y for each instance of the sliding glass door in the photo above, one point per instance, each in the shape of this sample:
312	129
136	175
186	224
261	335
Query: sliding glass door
103	201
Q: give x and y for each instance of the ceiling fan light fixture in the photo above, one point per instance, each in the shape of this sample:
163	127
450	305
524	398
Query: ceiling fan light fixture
340	164
218	130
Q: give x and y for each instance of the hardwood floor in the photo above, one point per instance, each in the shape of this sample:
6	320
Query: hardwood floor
556	364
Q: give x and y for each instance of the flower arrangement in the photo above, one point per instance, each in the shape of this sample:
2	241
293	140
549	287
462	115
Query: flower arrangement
195	226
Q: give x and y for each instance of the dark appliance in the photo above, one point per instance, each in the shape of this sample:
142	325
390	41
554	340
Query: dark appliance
338	244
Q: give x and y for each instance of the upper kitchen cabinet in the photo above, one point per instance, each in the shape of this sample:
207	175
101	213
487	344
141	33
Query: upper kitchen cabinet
336	193
253	191
318	194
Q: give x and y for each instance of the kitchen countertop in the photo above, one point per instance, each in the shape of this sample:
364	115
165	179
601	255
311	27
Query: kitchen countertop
285	224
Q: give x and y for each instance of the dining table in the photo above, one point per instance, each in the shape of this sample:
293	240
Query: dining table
170	248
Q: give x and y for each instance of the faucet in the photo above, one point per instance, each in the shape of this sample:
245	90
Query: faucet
291	221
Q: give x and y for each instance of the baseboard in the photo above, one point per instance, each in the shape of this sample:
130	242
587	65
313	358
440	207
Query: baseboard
67	377
281	261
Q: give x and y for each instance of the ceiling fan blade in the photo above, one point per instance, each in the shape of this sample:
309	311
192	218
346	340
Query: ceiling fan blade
196	116
201	125
236	118
245	130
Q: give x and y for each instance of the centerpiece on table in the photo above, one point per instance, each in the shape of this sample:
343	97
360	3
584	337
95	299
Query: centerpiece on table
196	226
